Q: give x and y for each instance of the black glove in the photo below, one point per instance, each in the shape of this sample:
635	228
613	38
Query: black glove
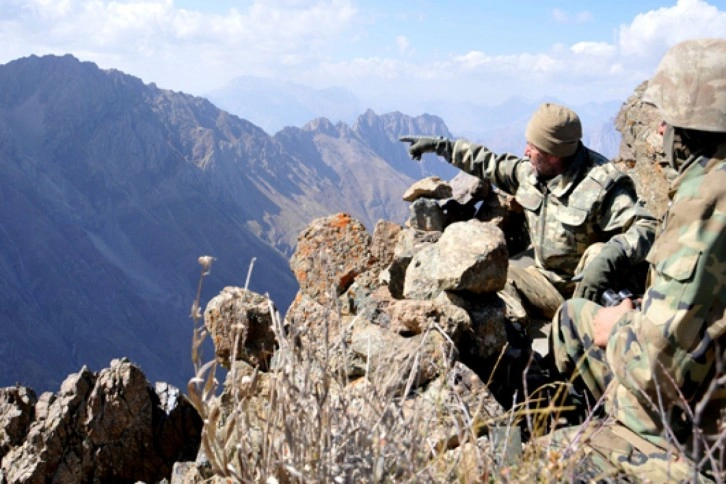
602	272
427	144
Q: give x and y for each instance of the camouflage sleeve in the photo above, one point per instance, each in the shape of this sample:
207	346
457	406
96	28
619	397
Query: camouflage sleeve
477	160
667	349
625	216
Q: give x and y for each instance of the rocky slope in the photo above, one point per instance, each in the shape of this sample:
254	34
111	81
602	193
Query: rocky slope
110	426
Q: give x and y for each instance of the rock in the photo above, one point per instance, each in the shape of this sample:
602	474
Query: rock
105	427
331	252
426	214
17	411
409	242
439	407
411	317
383	244
244	317
400	363
430	187
487	334
469	189
469	256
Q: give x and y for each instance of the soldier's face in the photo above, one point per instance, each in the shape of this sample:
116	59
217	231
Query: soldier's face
546	166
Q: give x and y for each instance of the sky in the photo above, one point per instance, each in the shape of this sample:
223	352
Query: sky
460	51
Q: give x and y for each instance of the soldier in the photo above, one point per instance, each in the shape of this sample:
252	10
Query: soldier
573	198
660	369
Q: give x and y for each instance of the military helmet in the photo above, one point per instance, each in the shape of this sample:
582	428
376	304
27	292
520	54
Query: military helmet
689	86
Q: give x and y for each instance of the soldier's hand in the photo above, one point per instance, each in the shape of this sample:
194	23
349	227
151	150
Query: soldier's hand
426	144
602	273
605	319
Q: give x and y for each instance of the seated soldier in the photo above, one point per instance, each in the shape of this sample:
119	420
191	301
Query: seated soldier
660	369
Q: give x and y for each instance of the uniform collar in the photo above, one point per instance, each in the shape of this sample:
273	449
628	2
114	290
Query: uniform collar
560	185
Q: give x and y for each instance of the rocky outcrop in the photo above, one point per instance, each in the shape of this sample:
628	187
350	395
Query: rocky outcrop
641	150
110	426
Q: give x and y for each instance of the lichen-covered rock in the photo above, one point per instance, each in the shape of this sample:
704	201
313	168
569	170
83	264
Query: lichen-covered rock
331	252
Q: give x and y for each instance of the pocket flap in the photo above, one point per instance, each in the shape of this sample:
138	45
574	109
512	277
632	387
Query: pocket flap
679	265
572	216
529	199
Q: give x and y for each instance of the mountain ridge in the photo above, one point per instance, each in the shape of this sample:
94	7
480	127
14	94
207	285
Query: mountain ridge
112	188
500	127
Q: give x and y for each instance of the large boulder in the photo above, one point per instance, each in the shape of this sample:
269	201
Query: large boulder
331	252
470	256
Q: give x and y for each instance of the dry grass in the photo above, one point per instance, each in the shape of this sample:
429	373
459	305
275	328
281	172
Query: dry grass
304	421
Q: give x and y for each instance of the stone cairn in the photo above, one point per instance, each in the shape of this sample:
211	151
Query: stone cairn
423	307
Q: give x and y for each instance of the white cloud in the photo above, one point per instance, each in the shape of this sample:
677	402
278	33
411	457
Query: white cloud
620	65
594	49
159	39
560	16
472	60
584	16
651	34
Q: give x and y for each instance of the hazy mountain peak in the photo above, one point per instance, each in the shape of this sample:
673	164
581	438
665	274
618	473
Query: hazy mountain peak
274	104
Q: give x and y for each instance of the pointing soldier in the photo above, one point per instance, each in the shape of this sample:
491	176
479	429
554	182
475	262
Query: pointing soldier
573	199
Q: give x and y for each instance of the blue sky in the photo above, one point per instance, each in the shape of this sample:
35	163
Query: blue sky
383	51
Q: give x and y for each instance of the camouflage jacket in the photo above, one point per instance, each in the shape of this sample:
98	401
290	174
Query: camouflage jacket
665	355
592	201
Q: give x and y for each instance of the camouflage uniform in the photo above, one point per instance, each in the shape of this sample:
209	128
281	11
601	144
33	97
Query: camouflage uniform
592	201
660	374
665	355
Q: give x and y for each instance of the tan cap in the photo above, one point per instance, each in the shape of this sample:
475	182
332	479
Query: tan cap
554	129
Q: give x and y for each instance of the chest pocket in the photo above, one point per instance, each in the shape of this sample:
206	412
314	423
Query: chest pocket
679	265
529	198
572	216
569	231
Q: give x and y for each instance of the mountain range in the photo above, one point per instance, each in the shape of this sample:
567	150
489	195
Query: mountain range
112	188
274	105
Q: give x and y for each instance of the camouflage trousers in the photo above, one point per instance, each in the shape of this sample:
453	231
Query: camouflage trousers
610	447
574	352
